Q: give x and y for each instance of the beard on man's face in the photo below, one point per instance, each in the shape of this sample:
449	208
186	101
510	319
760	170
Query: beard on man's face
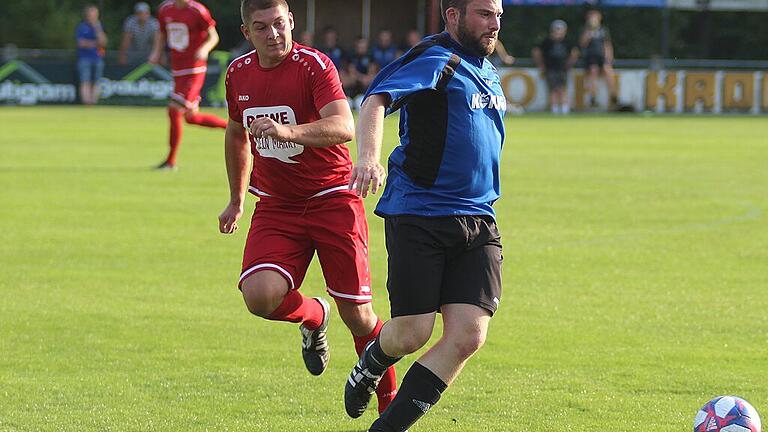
475	43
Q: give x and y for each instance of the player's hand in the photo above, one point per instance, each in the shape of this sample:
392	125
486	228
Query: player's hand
229	217
266	127
367	175
154	58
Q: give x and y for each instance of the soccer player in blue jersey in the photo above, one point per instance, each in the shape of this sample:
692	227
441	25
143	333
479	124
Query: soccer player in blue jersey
441	236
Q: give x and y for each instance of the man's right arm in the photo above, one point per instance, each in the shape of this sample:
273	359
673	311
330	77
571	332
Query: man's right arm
126	42
237	154
586	36
368	171
538	58
157	49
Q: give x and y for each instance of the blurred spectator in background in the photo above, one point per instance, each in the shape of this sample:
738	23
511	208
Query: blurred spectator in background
500	55
91	41
597	49
384	51
412	39
307	38
139	32
362	69
329	46
554	56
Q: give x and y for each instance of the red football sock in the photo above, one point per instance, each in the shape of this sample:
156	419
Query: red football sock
387	389
299	309
206	120
175	135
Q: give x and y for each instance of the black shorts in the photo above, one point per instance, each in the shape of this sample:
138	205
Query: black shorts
592	59
438	261
556	79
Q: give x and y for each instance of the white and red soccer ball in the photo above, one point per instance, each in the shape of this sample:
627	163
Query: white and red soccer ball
727	414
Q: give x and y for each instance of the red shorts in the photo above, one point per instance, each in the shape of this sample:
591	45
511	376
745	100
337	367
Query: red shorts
186	90
283	237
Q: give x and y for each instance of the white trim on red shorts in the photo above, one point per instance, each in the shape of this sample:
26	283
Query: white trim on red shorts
253	269
259	192
181	100
331	190
349	296
190	71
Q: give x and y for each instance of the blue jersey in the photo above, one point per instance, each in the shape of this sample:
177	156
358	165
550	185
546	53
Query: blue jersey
87	32
451	131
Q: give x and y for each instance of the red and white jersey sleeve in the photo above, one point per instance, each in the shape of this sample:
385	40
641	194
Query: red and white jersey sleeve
293	93
185	30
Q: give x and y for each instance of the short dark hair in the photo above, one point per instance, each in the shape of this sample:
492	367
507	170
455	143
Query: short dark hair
248	6
461	5
88	7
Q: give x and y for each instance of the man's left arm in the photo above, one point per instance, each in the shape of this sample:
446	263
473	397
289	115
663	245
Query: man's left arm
210	43
124	44
608	51
101	37
608	47
336	126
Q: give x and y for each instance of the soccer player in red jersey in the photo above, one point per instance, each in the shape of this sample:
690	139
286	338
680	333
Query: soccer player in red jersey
288	112
189	31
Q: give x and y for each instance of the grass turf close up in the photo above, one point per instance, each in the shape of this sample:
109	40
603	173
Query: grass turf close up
635	284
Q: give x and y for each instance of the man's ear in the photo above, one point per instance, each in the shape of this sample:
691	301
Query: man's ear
452	16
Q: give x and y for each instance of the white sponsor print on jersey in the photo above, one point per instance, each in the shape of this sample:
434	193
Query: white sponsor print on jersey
483	101
178	36
267	146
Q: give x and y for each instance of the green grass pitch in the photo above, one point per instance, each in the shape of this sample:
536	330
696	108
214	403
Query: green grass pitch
635	282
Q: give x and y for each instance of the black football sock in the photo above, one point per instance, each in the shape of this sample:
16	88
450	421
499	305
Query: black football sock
420	389
377	360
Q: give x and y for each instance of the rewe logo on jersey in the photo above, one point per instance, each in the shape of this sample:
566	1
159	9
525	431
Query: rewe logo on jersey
483	101
267	146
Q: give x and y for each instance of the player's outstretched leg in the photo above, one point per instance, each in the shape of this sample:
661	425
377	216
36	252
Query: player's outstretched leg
203	119
175	116
365	377
314	343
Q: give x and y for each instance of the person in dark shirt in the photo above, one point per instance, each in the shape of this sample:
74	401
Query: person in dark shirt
554	57
329	46
597	49
361	68
384	51
412	38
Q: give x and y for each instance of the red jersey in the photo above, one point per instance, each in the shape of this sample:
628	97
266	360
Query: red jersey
185	30
293	93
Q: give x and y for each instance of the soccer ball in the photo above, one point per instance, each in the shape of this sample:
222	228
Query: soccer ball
727	414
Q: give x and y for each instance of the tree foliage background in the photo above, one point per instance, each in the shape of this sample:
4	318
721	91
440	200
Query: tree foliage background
637	32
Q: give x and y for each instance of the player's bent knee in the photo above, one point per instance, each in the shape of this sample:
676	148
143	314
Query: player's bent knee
411	338
413	342
359	318
468	343
263	293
